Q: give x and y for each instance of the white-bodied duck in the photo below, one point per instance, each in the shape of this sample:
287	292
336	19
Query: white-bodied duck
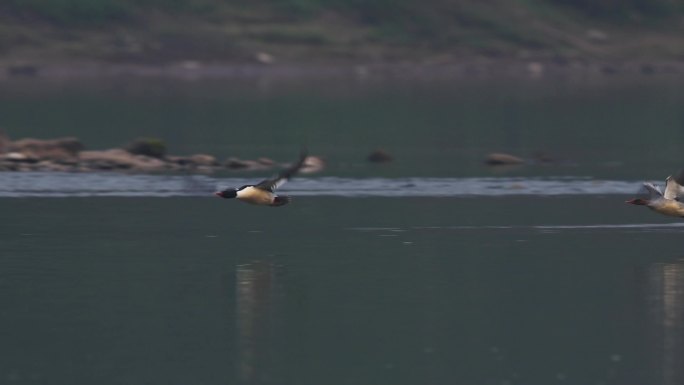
263	193
666	203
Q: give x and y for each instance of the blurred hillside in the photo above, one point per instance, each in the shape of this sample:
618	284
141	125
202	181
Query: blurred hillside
311	31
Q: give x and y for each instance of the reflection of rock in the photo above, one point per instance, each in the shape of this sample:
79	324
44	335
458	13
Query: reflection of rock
254	291
54	149
380	156
496	159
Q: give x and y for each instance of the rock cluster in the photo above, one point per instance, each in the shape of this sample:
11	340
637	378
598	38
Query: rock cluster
379	156
141	155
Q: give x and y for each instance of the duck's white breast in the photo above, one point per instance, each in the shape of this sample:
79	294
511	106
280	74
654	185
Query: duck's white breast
669	207
255	196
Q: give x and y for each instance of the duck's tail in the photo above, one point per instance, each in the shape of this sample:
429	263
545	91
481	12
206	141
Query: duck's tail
281	200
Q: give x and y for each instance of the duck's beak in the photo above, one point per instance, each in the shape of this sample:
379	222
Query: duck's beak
218	194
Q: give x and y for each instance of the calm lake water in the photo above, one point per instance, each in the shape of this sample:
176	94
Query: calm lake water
431	270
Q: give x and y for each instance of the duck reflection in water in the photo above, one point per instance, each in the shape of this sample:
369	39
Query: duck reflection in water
254	291
665	317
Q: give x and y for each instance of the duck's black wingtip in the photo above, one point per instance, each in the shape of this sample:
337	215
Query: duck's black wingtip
281	200
303	154
295	167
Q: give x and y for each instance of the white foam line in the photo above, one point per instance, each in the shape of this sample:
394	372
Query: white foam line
558	227
18	184
612	226
374	229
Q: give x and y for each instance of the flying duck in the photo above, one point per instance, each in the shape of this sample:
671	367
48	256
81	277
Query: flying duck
667	203
263	193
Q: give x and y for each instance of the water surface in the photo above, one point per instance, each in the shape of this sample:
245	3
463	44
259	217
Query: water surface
433	269
339	291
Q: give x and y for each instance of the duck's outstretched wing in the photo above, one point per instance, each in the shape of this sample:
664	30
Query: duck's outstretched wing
653	191
673	190
272	184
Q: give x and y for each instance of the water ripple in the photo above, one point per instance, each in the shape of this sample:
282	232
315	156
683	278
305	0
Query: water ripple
37	184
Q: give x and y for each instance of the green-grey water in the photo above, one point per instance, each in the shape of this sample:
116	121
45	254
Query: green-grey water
160	283
336	291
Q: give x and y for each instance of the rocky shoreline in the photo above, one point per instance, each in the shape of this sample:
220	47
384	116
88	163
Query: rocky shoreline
142	155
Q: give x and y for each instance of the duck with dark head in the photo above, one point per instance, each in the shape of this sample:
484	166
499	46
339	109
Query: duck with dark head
263	193
666	203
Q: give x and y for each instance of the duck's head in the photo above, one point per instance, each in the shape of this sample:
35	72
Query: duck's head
638	202
227	193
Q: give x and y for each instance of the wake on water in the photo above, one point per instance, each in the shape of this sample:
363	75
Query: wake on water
42	184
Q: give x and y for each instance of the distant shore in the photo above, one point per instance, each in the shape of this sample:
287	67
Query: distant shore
466	69
294	39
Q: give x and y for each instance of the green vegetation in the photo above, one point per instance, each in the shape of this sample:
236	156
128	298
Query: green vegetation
161	30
